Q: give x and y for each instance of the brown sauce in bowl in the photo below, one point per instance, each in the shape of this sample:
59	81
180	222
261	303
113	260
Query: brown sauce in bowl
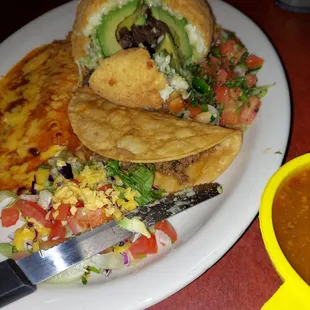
291	220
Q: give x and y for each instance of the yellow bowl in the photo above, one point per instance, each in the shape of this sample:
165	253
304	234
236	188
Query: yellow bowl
294	294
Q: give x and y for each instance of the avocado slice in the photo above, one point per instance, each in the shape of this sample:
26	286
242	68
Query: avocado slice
140	21
130	20
167	45
177	30
106	32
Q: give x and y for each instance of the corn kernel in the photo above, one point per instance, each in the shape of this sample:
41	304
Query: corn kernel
121	249
73	210
36	246
23	235
55	214
60	163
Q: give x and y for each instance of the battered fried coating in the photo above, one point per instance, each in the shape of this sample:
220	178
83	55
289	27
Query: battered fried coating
129	78
196	12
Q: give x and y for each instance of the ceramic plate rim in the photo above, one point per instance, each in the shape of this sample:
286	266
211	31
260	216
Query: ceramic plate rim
73	299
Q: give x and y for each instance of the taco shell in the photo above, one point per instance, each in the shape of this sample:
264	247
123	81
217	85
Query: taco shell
141	136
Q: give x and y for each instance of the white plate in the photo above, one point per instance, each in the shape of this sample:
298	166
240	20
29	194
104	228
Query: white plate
207	231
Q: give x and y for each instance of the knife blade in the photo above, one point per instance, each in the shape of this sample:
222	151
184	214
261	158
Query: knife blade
23	275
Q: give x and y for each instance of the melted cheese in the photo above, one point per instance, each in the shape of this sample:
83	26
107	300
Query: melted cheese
34	124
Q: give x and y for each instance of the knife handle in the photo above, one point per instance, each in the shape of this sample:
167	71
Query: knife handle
13	283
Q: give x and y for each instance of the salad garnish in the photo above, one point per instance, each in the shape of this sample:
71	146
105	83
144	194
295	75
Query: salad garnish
223	88
69	196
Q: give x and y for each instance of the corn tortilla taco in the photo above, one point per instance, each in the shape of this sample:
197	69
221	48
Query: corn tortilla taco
184	152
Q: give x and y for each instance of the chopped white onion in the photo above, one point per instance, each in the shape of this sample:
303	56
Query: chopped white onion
215	115
5	202
107	261
240	70
6	197
11	235
101	261
45	198
33	198
210	117
204	117
71	274
135	238
162	238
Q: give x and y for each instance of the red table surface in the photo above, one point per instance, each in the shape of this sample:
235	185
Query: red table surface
244	278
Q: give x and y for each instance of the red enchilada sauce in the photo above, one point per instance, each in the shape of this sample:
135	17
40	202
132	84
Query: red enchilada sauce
291	220
34	123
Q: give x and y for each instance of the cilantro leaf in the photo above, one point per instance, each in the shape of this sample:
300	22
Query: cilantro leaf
93	269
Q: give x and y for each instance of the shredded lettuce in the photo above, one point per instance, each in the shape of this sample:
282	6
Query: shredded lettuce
7	198
134	225
140	177
6	249
45	198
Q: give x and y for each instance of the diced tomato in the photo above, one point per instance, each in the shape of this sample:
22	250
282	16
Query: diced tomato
105	187
9	216
176	105
57	231
239	54
143	246
45	245
209	69
79	204
222	76
194	111
249	110
49	215
230	115
168	229
76	226
63	212
212	72
97	217
235	92
225	63
222	94
238	91
215	61
251	80
254	62
81	215
231	75
19	255
77	182
227	48
33	210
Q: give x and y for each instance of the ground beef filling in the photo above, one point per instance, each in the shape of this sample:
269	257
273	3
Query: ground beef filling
148	34
177	168
174	168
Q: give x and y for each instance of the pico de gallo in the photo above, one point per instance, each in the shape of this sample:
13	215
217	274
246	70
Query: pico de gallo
224	87
70	196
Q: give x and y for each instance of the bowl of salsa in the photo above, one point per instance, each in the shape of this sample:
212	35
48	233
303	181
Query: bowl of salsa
284	218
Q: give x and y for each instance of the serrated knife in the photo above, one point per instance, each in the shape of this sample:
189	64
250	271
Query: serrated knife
22	276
